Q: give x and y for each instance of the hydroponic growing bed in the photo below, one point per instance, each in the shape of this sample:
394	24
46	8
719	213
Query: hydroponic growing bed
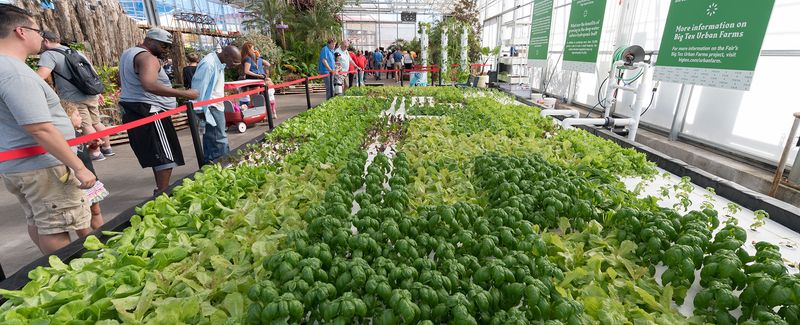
481	212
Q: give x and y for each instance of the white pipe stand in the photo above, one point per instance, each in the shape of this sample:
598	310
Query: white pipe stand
640	90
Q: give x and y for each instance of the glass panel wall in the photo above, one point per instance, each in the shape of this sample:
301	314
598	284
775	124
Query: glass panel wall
754	123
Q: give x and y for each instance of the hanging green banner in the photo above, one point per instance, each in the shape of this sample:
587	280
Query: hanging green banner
540	32
583	35
712	42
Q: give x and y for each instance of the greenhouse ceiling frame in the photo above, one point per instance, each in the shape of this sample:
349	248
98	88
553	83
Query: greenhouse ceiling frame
430	7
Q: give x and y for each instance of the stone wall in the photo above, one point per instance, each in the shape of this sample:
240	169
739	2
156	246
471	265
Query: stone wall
101	25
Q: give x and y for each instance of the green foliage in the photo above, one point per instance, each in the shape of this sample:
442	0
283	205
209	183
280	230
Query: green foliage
310	25
454	30
412	45
203	247
32	62
485	213
761	219
487	53
110	77
78	46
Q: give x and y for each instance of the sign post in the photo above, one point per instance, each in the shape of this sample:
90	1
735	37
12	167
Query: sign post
583	35
713	43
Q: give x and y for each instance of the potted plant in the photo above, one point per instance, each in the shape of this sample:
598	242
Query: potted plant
486	53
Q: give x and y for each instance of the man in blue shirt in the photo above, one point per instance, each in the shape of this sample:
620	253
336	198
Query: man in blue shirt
397	55
378	58
326	64
209	81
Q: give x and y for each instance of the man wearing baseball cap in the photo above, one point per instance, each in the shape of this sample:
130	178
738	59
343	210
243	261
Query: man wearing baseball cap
147	90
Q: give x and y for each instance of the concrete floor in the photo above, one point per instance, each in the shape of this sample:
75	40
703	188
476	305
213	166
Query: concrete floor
127	183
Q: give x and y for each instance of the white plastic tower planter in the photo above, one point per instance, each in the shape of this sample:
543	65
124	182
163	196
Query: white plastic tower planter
464	48
444	67
423	40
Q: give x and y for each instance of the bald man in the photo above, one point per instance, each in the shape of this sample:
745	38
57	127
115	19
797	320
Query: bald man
209	81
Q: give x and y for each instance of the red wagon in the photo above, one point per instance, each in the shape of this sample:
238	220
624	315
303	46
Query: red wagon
249	117
256	112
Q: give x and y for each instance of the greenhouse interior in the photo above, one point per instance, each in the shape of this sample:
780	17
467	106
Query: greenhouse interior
399	162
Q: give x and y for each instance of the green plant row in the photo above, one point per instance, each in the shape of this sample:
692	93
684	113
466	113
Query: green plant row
191	257
486	214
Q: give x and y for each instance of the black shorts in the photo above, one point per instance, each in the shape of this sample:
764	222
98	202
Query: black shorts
408	66
155	144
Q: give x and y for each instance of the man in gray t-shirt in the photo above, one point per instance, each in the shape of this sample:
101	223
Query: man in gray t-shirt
48	186
54	63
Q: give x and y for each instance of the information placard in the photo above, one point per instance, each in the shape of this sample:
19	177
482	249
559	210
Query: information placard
541	19
713	42
583	35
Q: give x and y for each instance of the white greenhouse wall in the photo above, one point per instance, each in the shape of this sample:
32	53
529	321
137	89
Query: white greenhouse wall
754	123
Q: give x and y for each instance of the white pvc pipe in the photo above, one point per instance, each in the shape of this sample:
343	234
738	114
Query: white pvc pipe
638	105
561	112
612	80
626	88
570	122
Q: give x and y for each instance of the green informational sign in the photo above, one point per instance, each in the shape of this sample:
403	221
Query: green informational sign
540	32
583	35
713	42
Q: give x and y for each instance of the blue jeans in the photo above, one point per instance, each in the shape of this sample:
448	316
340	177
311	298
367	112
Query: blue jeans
328	87
360	78
215	139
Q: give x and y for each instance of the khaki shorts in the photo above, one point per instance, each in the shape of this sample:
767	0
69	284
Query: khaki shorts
49	204
89	111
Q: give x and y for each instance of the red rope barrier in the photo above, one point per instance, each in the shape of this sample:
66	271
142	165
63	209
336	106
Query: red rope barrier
243	83
38	150
286	84
385	70
319	76
229	97
423	70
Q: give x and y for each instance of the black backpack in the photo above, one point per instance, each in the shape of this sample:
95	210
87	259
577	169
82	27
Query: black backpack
83	76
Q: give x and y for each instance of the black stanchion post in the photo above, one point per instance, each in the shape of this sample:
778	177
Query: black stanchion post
269	109
402	72
308	94
440	77
196	140
330	83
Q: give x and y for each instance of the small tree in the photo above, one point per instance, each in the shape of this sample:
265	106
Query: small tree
487	53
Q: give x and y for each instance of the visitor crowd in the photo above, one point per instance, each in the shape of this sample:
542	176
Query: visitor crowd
337	59
59	191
